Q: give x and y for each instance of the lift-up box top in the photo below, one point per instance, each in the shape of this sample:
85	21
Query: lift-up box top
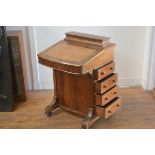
78	53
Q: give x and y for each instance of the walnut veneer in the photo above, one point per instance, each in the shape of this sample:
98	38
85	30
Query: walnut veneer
84	82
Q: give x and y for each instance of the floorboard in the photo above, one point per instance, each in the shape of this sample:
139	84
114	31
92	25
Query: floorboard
137	112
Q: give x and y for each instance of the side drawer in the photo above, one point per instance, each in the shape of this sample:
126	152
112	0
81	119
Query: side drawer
104	71
109	109
106	97
107	83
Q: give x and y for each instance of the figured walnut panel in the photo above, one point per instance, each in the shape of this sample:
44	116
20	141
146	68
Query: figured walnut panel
78	53
87	39
75	91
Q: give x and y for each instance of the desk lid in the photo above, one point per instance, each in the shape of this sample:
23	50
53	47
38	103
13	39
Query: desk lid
78	53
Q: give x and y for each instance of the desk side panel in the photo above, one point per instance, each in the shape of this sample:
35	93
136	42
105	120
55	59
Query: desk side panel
104	57
75	91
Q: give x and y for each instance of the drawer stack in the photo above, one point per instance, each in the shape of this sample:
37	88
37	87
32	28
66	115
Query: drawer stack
107	99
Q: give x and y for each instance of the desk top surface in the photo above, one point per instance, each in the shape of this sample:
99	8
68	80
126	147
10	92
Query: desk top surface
76	50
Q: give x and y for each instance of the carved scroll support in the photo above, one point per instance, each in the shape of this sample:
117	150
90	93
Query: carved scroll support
52	106
90	119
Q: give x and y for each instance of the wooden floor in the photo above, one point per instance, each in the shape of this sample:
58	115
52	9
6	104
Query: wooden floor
138	111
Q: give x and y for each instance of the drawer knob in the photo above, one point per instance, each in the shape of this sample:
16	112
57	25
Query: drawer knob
109	112
115	92
113	80
102	73
111	68
117	105
106	99
104	86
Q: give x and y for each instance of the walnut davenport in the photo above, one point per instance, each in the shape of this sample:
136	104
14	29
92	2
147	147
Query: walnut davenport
84	78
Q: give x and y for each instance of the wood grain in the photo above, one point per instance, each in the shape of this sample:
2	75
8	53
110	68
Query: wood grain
106	83
78	57
69	53
107	110
75	91
106	97
104	71
137	112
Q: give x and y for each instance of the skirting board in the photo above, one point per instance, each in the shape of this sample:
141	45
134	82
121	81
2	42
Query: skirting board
128	82
46	85
123	82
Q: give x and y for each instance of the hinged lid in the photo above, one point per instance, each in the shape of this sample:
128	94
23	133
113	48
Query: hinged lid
78	53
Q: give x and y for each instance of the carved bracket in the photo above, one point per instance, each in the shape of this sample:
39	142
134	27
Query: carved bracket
52	106
89	120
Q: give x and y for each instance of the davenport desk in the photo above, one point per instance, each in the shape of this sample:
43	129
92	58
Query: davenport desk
84	78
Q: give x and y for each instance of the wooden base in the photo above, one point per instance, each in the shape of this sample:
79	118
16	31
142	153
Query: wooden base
52	106
89	120
86	123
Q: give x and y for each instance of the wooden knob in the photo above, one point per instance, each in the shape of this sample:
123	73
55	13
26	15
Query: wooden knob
106	99
109	112
113	80
117	105
115	92
104	86
102	73
111	68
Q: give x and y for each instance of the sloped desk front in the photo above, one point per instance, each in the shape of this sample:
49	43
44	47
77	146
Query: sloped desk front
76	61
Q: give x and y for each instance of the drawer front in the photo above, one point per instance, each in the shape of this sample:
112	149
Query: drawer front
109	82
104	71
108	110
107	97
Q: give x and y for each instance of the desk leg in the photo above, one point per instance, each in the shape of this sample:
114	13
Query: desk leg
90	120
52	106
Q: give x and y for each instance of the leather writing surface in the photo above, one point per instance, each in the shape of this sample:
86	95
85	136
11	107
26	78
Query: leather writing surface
78	53
69	52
